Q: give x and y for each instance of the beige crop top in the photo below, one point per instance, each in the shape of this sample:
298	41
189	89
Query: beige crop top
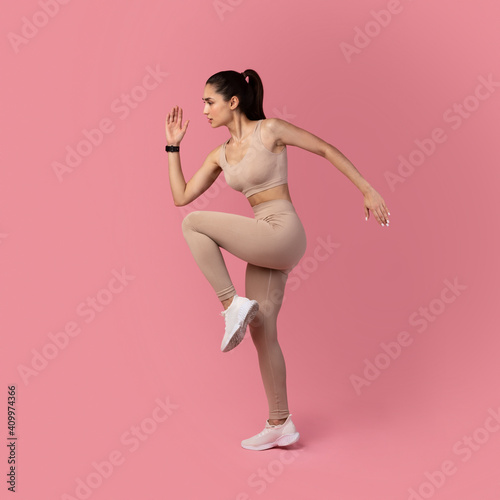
259	169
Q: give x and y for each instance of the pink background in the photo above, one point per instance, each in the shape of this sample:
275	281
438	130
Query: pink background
157	338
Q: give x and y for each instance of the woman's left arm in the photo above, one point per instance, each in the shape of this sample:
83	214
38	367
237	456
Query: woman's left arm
287	134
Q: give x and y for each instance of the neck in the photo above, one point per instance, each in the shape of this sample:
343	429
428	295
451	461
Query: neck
240	128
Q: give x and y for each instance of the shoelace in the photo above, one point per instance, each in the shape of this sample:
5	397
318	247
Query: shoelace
267	430
263	432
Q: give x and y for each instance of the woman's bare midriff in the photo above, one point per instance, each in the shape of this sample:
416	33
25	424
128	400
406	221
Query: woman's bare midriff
276	193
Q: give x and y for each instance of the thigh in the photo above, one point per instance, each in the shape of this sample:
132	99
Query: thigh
252	240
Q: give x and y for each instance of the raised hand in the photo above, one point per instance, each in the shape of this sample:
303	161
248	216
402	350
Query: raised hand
173	126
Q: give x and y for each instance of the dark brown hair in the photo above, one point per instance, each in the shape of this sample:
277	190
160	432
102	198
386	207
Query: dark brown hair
250	94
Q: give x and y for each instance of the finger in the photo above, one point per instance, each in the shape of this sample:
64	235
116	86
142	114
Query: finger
377	215
385	214
383	218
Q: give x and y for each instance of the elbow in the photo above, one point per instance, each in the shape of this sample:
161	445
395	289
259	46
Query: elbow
180	202
326	149
181	199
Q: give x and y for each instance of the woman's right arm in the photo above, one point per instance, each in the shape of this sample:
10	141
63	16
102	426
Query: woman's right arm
185	192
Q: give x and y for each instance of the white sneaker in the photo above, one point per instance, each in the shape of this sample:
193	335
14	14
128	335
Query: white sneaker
237	316
273	435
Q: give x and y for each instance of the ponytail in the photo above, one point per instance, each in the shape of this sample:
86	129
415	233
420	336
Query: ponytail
250	94
255	109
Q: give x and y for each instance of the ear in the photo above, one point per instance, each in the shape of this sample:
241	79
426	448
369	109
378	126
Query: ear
234	102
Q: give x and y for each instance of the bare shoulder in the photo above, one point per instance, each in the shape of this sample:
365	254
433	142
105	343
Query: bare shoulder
271	132
283	133
272	125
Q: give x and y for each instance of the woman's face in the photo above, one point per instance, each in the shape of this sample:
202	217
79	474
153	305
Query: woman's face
216	109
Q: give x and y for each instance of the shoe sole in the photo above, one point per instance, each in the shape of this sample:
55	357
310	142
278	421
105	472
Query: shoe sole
285	440
252	308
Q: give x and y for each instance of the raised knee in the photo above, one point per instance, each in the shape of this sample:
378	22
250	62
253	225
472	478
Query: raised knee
189	220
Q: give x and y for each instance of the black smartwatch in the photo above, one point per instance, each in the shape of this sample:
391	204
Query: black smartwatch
172	149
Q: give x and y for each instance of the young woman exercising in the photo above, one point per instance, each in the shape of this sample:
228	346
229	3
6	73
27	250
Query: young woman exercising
254	162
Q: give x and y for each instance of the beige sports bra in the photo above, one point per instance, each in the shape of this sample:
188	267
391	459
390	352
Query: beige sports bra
259	169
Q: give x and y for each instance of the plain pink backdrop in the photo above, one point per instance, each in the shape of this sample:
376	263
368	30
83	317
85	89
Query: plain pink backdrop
155	341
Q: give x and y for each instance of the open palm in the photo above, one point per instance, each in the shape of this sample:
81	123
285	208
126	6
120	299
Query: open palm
173	126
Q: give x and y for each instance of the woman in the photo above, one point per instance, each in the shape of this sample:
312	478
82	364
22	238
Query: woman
254	161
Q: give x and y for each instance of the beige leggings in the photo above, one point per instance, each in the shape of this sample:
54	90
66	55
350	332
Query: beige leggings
272	244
